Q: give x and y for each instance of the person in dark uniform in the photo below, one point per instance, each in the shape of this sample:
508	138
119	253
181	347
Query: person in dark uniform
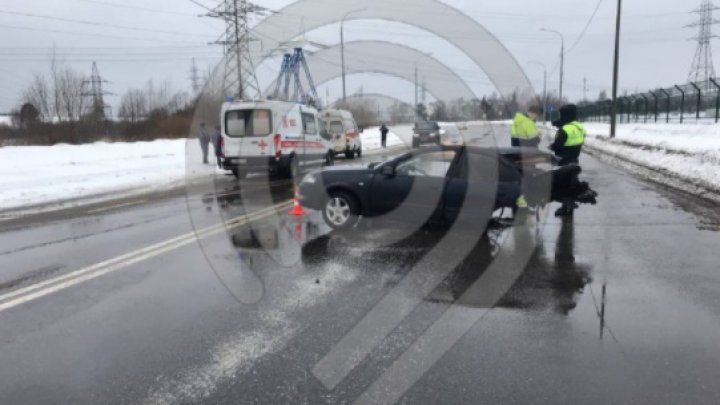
204	138
567	146
570	137
383	135
217	145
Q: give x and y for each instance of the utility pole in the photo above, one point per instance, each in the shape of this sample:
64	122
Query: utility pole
702	69
342	49
616	72
424	91
585	90
544	96
239	78
195	77
97	94
562	58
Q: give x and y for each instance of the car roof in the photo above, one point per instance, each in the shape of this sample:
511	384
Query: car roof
505	151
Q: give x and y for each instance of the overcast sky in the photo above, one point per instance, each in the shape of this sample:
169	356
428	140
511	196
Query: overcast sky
137	40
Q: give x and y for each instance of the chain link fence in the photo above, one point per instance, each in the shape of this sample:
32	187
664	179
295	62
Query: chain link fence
687	103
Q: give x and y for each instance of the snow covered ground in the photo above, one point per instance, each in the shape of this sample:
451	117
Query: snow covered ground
33	175
687	155
49	177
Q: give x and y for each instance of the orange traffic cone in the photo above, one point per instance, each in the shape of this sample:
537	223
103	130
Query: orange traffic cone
297	209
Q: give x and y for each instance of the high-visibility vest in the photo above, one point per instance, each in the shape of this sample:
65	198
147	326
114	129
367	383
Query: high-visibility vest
575	134
523	127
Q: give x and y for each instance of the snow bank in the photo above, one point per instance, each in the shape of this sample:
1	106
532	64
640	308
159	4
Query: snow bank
688	154
32	175
371	139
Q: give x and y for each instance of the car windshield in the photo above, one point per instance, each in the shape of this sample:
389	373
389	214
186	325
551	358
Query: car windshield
426	126
333	202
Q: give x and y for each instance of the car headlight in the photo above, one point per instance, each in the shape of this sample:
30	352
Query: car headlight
416	136
442	132
433	135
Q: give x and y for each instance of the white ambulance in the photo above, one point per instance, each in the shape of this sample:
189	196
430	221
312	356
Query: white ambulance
341	126
278	137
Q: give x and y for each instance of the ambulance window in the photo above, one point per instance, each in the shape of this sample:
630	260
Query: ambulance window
248	123
336	127
309	124
262	124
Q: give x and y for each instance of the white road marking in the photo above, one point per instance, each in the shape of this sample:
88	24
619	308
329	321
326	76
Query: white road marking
7	217
33	292
112	207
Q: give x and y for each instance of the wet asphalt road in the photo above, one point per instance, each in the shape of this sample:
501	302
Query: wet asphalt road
621	305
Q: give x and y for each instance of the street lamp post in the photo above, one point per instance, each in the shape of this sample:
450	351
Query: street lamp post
544	97
417	61
616	72
342	47
562	58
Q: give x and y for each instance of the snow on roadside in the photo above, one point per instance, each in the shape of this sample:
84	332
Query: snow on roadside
371	139
33	175
37	175
687	155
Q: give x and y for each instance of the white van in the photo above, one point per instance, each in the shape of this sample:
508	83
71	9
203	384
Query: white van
280	137
341	126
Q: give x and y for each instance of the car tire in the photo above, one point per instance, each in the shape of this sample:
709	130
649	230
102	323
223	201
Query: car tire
359	152
341	210
349	155
415	144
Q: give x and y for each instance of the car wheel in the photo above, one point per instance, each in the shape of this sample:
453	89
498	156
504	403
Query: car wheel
359	152
341	211
415	144
349	154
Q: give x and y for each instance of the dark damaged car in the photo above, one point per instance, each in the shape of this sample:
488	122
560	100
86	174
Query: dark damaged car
436	184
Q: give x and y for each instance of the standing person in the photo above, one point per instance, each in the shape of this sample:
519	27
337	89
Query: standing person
204	138
570	137
217	145
568	145
383	135
524	131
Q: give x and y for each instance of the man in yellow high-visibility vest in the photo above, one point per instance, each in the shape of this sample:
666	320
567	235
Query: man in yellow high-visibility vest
568	145
524	131
570	137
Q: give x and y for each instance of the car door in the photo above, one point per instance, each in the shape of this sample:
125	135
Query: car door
472	188
414	192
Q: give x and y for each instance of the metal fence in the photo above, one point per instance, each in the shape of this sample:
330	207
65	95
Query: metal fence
692	102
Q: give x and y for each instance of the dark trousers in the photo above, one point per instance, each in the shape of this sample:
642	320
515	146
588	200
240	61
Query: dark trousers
383	138
205	146
528	143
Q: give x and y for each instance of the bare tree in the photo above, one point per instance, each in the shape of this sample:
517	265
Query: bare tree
133	105
39	95
70	87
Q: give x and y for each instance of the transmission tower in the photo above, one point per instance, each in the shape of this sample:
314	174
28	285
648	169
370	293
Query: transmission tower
702	67
239	79
96	93
195	78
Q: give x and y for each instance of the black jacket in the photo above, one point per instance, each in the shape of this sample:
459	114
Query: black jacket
567	154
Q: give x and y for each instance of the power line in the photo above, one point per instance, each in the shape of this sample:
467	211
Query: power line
582	34
95	23
125	6
86	34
